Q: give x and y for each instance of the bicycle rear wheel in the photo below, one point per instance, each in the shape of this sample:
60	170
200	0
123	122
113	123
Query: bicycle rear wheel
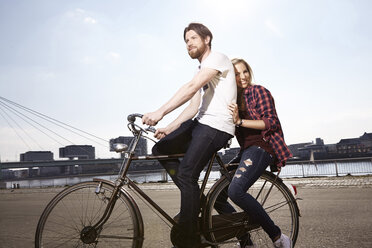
72	213
273	195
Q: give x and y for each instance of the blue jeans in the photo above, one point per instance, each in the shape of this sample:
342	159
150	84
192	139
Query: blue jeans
253	162
199	142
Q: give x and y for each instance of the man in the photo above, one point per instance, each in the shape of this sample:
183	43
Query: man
212	89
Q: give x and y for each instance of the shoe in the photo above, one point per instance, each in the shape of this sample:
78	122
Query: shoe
245	241
181	239
176	218
237	245
283	242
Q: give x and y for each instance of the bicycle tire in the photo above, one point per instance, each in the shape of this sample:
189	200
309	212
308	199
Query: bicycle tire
280	205
80	206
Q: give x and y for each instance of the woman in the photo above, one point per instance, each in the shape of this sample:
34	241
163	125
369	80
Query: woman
261	140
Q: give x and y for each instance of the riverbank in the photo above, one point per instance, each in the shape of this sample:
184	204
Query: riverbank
336	212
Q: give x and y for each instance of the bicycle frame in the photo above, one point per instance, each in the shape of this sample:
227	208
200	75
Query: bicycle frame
124	180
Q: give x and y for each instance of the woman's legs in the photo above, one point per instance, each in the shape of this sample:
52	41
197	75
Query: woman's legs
253	163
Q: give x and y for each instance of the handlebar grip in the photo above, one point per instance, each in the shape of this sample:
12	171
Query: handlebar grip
132	117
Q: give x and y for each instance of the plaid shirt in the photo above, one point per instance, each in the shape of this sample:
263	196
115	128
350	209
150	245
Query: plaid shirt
260	106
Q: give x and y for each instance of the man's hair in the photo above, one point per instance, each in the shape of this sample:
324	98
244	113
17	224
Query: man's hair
201	30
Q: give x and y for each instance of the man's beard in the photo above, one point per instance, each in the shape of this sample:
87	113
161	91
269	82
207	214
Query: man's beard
196	53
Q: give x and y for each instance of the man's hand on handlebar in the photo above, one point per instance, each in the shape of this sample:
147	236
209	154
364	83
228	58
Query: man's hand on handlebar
152	118
160	133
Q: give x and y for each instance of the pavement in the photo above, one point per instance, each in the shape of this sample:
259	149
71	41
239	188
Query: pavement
335	212
334	182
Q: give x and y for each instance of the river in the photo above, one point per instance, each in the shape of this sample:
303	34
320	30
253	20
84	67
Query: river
339	168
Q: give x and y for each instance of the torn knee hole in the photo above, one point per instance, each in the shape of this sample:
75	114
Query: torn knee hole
248	162
242	169
237	175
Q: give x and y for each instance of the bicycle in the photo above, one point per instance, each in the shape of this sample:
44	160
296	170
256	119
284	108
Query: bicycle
102	213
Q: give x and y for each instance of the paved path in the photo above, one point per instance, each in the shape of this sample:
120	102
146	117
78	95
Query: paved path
336	212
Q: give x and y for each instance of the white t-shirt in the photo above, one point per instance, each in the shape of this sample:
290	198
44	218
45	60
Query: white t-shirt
218	94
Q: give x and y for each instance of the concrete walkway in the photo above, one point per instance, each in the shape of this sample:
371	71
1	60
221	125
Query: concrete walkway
336	212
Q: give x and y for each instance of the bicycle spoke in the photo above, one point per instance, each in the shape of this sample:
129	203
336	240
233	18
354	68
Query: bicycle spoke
276	206
117	237
272	194
69	220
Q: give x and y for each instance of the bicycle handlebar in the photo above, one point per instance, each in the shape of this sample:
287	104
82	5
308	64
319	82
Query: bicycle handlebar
132	118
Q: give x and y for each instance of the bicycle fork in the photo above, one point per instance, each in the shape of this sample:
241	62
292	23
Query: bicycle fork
89	234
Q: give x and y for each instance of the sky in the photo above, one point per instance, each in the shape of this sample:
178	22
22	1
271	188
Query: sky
90	63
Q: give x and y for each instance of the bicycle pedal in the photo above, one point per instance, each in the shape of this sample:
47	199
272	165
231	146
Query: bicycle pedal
205	243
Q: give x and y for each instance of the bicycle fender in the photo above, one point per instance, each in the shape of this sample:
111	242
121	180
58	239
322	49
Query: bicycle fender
273	176
127	195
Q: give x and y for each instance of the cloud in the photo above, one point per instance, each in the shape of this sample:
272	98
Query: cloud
273	28
81	15
46	76
89	60
90	20
227	9
113	56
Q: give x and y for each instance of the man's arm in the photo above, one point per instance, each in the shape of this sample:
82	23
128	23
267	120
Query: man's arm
188	113
185	93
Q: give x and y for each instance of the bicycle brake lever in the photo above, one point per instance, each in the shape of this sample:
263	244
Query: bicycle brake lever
151	129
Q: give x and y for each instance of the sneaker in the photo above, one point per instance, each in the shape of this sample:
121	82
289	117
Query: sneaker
176	218
237	245
283	242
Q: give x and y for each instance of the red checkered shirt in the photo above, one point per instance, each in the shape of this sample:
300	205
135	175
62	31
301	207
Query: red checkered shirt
260	106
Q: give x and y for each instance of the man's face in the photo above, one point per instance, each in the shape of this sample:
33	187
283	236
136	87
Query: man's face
195	44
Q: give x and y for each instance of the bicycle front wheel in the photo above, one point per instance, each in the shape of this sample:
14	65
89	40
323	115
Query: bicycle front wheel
71	215
225	229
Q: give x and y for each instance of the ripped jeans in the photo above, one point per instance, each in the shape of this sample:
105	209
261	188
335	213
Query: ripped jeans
253	162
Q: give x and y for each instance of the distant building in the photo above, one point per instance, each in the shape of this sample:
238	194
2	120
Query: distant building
295	149
366	140
36	156
141	148
314	151
354	146
346	148
77	151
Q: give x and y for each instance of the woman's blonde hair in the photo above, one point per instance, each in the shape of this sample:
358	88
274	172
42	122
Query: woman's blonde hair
237	61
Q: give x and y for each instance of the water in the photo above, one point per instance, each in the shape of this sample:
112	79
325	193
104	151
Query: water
340	168
143	177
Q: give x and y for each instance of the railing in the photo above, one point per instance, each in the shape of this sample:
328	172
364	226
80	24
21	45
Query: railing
335	167
331	167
